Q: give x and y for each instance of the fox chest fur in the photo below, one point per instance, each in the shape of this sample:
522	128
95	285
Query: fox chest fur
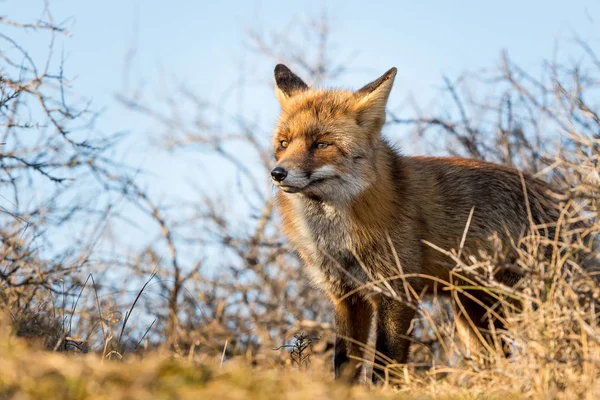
326	238
322	234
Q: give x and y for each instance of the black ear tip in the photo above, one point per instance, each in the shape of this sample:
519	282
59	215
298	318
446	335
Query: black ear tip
287	81
281	69
389	75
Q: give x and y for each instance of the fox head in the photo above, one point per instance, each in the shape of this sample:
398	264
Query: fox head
325	140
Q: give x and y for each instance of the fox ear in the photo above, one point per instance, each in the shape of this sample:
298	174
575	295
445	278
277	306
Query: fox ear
287	83
372	98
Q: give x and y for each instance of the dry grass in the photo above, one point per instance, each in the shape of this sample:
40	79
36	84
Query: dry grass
29	373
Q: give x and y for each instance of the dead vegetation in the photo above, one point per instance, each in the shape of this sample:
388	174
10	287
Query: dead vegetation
169	321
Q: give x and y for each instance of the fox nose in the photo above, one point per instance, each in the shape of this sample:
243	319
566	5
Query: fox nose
278	174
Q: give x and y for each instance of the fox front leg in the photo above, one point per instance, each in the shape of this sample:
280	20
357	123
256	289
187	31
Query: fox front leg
353	321
393	342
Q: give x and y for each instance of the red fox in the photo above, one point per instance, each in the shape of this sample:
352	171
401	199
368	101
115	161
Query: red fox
356	210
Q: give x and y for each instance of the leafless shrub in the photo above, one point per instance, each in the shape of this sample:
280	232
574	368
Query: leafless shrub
60	190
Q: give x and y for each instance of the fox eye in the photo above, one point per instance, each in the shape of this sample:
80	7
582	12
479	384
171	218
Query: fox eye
322	145
284	143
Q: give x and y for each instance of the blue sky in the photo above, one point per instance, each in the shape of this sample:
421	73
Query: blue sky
204	44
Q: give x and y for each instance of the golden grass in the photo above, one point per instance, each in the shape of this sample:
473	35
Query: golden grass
30	373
